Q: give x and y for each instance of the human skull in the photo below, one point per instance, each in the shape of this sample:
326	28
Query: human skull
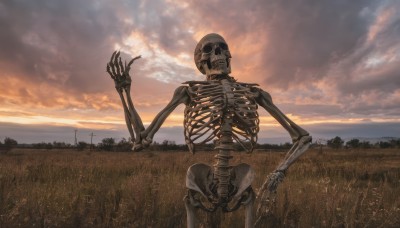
212	56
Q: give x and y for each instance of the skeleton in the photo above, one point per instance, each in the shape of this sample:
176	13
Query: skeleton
220	109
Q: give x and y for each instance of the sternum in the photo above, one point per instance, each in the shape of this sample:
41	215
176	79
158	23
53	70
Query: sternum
225	145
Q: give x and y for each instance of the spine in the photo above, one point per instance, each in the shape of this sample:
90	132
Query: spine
222	167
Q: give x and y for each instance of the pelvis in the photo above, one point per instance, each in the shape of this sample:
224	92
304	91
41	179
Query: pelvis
200	179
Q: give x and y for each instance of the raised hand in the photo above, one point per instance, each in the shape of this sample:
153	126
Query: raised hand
119	72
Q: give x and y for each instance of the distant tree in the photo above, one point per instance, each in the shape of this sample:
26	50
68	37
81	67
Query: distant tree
124	145
286	145
107	144
384	145
82	145
365	145
155	146
354	143
49	146
168	145
43	145
10	143
36	145
277	147
165	143
60	145
335	143
395	143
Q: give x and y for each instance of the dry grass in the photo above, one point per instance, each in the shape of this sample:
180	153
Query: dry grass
82	189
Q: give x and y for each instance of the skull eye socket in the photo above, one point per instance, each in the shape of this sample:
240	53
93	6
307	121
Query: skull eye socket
207	48
223	46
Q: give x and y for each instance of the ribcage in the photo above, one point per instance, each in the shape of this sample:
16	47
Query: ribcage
211	103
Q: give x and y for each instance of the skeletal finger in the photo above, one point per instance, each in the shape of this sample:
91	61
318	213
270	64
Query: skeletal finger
120	65
130	62
112	56
111	64
116	63
109	72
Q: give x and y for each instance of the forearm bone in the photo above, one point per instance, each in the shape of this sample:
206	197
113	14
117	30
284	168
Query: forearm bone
301	138
120	74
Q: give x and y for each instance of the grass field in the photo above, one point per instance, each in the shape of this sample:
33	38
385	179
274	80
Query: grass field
41	188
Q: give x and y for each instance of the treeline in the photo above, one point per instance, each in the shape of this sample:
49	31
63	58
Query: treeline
123	145
7	144
338	143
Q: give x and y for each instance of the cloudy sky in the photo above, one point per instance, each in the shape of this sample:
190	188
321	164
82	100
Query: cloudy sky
332	66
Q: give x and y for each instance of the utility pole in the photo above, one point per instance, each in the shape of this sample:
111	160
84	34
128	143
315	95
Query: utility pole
91	140
320	142
76	140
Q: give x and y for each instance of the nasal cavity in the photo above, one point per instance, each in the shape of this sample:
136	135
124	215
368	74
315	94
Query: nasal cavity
218	51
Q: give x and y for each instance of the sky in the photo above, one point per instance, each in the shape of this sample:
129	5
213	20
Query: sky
332	66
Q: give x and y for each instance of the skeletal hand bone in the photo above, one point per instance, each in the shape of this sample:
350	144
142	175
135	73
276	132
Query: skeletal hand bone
274	179
120	74
141	143
267	192
144	143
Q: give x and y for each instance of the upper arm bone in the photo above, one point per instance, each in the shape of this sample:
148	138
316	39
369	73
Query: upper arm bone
265	100
180	96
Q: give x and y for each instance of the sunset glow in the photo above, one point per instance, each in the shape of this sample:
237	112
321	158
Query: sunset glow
332	66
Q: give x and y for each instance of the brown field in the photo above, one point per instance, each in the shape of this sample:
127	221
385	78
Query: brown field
41	188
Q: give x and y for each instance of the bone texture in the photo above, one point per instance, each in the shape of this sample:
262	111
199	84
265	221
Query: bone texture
221	110
120	74
214	102
267	192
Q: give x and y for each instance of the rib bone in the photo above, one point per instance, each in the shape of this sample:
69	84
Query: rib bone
208	106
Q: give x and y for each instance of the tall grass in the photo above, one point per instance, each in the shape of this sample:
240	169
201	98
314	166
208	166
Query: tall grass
82	189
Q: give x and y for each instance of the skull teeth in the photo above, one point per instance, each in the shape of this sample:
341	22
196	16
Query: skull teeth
219	63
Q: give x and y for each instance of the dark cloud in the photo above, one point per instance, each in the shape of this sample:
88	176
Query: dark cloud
67	43
368	80
385	79
302	38
57	42
306	38
338	54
